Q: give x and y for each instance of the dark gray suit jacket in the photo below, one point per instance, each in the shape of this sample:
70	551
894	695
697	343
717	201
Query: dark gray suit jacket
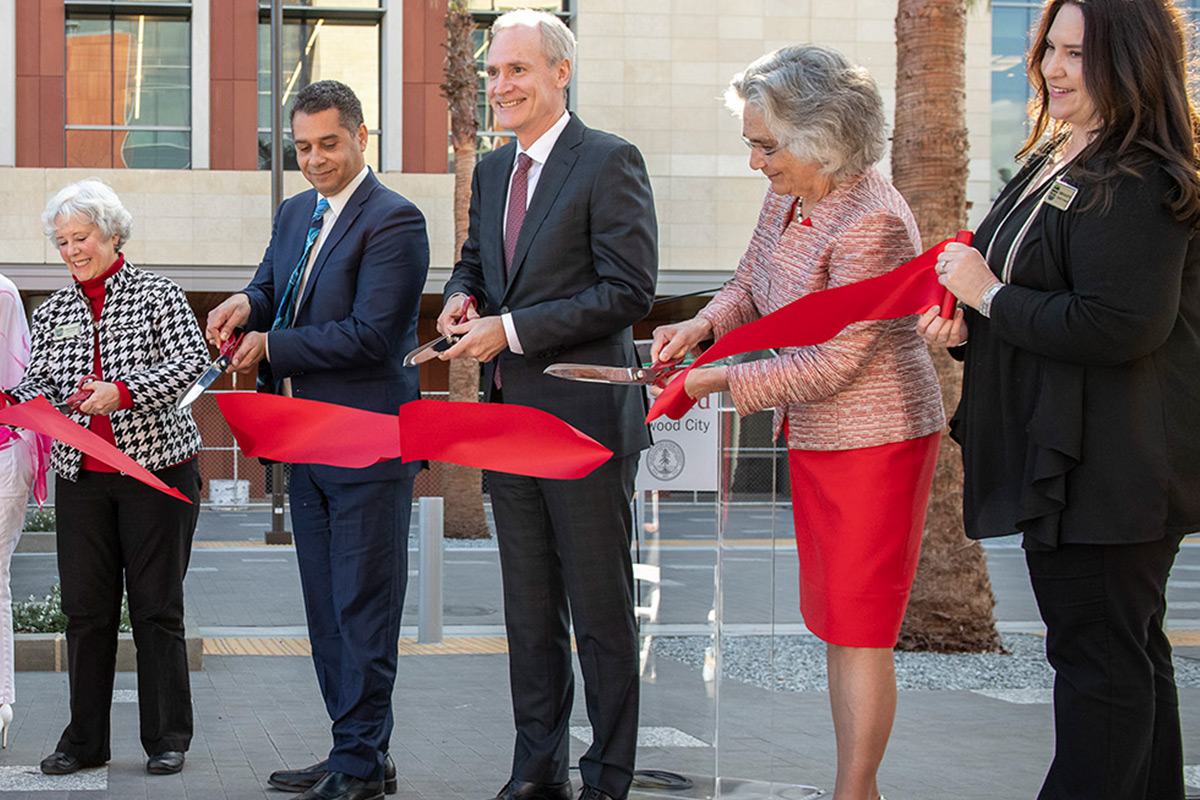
584	272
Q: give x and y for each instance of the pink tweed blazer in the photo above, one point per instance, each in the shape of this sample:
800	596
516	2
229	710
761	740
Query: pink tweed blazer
874	382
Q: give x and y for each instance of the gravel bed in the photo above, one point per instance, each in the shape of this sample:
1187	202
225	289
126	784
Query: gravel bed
799	664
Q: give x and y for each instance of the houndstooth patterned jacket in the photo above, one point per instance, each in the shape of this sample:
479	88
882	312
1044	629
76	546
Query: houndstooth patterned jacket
149	338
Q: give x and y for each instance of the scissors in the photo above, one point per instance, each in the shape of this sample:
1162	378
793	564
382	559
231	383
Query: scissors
219	367
657	374
429	350
71	404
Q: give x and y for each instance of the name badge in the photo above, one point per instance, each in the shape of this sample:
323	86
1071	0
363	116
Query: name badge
1061	195
69	331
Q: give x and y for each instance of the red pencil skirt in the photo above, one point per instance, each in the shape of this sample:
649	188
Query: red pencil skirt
859	516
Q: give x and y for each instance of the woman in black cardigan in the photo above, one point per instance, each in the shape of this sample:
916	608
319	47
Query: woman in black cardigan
1080	413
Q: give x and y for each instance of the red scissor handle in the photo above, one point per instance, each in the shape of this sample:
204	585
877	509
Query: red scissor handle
230	345
466	309
81	394
452	338
665	370
948	299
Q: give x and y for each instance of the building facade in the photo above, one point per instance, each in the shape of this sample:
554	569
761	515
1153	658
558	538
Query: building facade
169	102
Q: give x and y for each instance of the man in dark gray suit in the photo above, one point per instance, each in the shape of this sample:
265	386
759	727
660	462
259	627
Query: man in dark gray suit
562	259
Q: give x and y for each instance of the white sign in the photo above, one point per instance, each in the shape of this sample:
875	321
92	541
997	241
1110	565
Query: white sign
684	454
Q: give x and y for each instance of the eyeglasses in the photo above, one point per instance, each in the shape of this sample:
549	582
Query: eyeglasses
763	151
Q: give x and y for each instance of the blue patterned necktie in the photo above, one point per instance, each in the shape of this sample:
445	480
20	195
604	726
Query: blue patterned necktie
287	305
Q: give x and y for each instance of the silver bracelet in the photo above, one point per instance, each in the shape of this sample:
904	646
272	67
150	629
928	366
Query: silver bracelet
989	294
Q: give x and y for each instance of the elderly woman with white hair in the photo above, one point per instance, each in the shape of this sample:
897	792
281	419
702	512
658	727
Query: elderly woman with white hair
129	337
862	412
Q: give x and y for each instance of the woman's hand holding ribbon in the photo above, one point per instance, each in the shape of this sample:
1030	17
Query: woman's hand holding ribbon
962	270
940	332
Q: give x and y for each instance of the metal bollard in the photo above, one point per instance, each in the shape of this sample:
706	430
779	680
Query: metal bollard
429	606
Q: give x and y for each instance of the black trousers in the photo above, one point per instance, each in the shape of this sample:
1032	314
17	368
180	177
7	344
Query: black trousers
1116	711
564	557
114	530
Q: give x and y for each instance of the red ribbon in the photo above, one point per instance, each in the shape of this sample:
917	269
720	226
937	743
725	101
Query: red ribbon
302	431
501	437
909	289
498	436
38	415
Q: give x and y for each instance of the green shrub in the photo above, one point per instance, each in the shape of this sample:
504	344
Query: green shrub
46	615
37	521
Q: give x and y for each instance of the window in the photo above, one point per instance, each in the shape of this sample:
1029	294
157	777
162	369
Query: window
322	40
128	86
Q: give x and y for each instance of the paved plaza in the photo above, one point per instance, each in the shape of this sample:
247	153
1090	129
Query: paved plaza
257	707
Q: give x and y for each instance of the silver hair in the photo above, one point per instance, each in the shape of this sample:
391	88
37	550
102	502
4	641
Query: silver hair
818	104
92	200
558	43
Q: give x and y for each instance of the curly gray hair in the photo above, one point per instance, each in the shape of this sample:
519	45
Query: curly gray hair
92	200
817	104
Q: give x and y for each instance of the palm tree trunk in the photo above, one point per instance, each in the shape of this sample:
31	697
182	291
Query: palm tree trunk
462	487
952	604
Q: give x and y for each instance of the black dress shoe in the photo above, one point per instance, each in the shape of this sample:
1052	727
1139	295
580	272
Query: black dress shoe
60	763
340	786
592	793
167	762
524	790
298	780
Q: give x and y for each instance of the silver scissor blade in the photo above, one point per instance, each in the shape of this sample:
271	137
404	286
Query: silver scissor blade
429	350
203	382
591	373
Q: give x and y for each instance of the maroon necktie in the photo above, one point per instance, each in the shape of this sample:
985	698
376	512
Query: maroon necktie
516	208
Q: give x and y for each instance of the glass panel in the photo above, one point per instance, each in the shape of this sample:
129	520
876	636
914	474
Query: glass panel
94	148
722	605
90	51
128	71
328	3
155	80
675	555
1011	29
758	619
315	50
157	149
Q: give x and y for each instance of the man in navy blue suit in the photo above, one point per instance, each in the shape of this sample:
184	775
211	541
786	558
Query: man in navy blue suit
330	314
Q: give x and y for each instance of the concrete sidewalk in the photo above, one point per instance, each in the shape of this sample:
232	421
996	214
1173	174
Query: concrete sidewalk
453	736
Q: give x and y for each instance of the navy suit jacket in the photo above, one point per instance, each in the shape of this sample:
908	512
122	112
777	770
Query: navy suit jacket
358	314
583	273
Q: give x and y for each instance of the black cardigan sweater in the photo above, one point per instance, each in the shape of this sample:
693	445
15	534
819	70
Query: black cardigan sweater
1080	413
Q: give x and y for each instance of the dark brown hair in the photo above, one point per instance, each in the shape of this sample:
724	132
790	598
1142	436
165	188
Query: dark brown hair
1135	68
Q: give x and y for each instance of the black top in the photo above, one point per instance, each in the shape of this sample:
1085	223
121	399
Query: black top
1080	414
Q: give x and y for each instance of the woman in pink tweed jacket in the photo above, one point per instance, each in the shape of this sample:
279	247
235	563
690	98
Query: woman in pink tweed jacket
862	412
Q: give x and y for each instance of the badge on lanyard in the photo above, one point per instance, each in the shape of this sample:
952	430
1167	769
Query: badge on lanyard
68	331
1061	194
